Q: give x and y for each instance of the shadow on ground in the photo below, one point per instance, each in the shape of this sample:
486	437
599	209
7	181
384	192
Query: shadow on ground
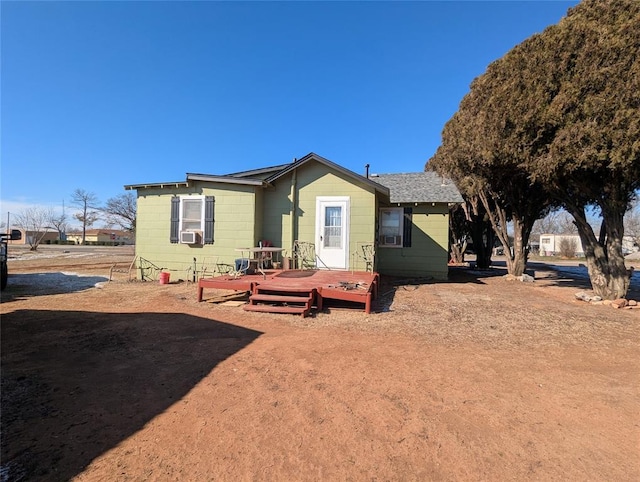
578	277
77	383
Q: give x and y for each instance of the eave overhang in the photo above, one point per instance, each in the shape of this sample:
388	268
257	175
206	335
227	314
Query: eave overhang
225	179
156	185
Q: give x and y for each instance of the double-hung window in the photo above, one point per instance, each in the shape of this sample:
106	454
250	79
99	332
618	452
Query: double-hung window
192	214
395	227
391	227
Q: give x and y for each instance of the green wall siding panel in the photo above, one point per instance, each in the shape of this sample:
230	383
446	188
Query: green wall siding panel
429	252
312	181
315	180
276	216
234	227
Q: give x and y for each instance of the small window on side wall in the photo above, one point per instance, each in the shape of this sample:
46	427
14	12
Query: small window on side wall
192	214
391	227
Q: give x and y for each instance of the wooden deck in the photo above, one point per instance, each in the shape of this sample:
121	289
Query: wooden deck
352	286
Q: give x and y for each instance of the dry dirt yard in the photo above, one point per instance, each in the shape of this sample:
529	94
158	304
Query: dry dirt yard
479	378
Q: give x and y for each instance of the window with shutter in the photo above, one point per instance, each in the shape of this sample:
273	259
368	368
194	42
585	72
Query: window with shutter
192	214
391	227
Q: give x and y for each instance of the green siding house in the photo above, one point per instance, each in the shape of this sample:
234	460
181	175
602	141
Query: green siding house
188	227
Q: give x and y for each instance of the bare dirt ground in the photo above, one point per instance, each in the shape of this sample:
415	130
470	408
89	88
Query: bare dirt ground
479	378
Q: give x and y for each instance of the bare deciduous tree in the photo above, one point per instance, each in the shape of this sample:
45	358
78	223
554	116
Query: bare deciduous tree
87	202
59	222
632	222
35	222
121	211
556	222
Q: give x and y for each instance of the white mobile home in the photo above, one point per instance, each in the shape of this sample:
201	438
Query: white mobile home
552	244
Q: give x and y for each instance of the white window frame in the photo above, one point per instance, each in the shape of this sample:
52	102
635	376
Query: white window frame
398	235
199	229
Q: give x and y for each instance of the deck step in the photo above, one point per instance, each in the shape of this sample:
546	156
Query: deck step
286	300
280	298
295	310
272	288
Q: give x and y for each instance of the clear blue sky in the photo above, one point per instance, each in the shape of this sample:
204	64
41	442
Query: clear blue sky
96	95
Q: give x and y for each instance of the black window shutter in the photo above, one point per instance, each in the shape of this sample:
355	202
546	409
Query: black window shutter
209	204
174	235
407	227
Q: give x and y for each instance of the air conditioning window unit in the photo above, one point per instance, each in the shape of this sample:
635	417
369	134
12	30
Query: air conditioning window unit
390	240
189	237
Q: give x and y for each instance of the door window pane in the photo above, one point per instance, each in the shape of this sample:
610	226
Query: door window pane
332	227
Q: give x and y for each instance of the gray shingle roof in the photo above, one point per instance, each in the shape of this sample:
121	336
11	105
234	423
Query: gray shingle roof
416	187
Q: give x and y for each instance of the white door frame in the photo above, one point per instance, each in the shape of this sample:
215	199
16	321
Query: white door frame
339	260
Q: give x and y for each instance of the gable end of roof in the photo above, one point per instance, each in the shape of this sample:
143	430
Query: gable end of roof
315	157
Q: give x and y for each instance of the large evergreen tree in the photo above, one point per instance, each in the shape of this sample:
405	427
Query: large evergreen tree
483	152
591	126
556	121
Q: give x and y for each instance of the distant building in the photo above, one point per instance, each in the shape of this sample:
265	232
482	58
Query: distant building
550	244
28	237
108	237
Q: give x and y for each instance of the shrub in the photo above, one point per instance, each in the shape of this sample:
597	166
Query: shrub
568	248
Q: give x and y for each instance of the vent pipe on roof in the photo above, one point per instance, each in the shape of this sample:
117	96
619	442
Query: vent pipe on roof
366	170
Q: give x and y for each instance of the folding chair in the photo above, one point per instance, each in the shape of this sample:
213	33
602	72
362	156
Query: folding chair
304	254
366	252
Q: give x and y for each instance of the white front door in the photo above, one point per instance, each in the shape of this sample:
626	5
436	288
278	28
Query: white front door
332	231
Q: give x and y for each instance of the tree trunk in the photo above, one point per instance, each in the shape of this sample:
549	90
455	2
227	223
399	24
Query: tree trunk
609	284
517	260
457	253
481	232
516	264
516	257
483	237
457	235
610	278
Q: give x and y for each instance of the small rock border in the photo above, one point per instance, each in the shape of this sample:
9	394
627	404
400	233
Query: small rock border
525	278
620	303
